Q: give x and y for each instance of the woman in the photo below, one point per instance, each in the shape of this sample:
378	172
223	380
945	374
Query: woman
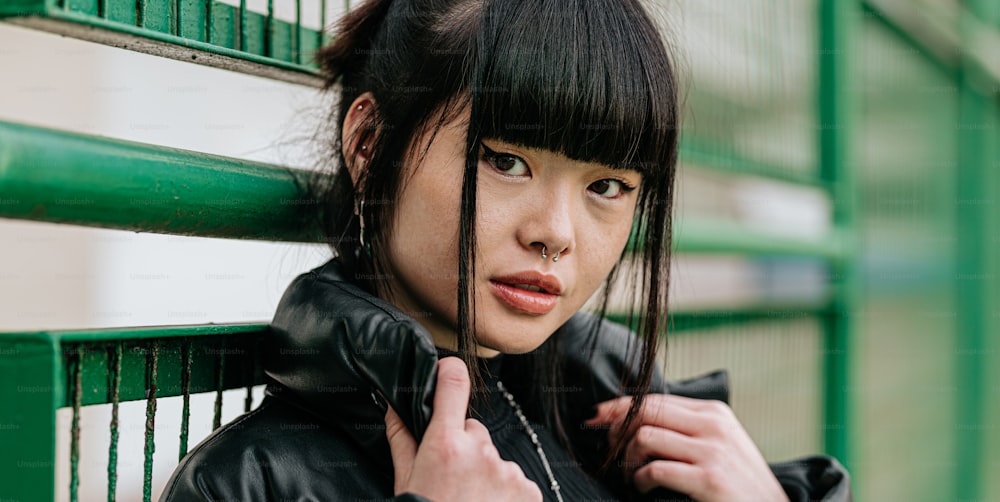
492	158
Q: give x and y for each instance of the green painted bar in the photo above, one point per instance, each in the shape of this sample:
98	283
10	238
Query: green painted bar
281	41
88	7
256	29
157	15
973	203
26	7
153	32
223	27
704	156
192	19
55	176
836	33
297	34
115	383
32	383
721	237
914	40
239	351
963	47
122	12
307	45
699	320
242	11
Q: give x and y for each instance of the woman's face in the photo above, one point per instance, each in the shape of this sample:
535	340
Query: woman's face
527	198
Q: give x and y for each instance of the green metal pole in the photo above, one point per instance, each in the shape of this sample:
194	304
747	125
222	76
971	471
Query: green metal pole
65	177
973	279
834	114
31	389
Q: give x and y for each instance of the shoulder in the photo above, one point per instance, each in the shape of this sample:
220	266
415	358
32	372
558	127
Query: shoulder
599	353
273	452
603	352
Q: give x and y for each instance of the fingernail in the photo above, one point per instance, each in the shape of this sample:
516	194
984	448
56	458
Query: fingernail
379	401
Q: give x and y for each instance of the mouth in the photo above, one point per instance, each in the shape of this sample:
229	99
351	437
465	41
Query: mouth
528	293
529	287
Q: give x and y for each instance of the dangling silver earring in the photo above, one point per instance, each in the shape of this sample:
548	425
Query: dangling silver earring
544	256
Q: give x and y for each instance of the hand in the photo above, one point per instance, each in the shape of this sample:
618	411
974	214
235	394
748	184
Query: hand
693	446
456	459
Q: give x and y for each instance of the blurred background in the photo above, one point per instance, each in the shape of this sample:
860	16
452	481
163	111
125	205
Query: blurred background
837	242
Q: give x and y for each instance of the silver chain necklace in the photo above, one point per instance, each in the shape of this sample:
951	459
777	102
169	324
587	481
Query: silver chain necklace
534	439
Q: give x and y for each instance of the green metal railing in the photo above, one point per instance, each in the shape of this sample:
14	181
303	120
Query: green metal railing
45	371
63	177
834	108
960	41
205	32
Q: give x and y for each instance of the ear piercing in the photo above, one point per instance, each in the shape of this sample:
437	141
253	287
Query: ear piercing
360	107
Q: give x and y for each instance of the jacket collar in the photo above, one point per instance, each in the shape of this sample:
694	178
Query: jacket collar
341	353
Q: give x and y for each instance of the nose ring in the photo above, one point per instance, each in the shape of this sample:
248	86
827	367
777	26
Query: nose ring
545	256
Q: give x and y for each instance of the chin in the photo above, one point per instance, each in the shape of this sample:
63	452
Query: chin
529	338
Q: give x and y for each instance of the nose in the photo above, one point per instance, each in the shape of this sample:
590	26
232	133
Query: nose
549	227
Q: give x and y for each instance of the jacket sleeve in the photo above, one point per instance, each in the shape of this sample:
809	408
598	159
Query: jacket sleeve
276	453
200	490
191	484
597	366
816	478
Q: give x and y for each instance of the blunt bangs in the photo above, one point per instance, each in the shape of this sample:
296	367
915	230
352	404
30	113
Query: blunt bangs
576	78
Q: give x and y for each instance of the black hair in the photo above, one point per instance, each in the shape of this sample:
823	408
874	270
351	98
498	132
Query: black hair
591	80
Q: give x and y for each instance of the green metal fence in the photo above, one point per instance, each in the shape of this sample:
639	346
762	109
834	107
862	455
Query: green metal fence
200	31
44	371
834	137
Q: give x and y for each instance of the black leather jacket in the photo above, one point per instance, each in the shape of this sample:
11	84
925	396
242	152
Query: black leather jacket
336	351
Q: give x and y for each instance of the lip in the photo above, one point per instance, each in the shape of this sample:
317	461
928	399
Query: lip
522	300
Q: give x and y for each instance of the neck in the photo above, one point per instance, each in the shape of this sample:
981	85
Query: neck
442	333
449	341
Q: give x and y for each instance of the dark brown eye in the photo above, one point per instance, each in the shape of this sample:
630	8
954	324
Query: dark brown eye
601	187
610	188
505	162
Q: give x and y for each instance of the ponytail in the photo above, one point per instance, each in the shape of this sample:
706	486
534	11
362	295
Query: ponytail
352	42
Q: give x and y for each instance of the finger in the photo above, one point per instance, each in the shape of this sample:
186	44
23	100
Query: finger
402	447
658	443
610	411
661	410
479	432
678	476
512	474
477	429
451	396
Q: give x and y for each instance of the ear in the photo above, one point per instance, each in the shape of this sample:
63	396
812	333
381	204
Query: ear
355	142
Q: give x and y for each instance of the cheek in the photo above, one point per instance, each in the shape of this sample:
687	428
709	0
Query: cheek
603	242
425	237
